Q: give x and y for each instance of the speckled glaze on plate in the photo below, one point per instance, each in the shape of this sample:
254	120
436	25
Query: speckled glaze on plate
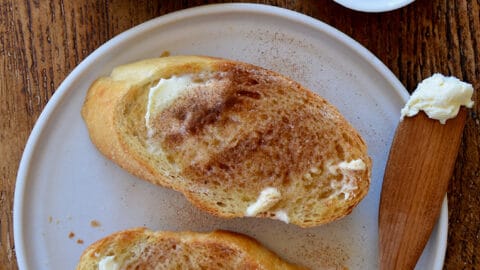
68	195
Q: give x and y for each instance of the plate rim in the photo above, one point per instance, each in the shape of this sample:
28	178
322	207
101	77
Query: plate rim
119	39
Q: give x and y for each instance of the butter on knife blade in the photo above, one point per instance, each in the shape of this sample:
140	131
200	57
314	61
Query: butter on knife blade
439	97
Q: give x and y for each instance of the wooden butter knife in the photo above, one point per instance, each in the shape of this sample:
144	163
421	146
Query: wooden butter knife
419	167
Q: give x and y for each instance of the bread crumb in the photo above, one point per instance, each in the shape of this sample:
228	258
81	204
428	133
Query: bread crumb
165	54
95	223
50	219
71	235
79	241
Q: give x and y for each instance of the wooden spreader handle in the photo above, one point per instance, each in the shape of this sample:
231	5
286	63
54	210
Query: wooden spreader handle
419	167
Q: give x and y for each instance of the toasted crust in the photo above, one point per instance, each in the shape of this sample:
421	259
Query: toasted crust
223	144
140	248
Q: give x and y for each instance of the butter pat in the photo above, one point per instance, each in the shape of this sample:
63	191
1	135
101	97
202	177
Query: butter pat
439	97
108	263
282	216
345	186
354	165
267	199
162	94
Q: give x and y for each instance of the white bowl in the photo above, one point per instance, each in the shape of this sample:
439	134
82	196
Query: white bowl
374	5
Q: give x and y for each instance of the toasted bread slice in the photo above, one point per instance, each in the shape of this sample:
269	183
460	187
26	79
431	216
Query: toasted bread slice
236	139
140	248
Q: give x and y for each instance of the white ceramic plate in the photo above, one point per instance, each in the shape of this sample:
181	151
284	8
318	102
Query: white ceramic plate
374	5
68	195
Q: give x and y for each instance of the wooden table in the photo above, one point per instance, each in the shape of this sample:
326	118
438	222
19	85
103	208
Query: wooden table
42	41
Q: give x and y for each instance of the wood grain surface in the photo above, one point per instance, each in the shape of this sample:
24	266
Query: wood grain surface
42	41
